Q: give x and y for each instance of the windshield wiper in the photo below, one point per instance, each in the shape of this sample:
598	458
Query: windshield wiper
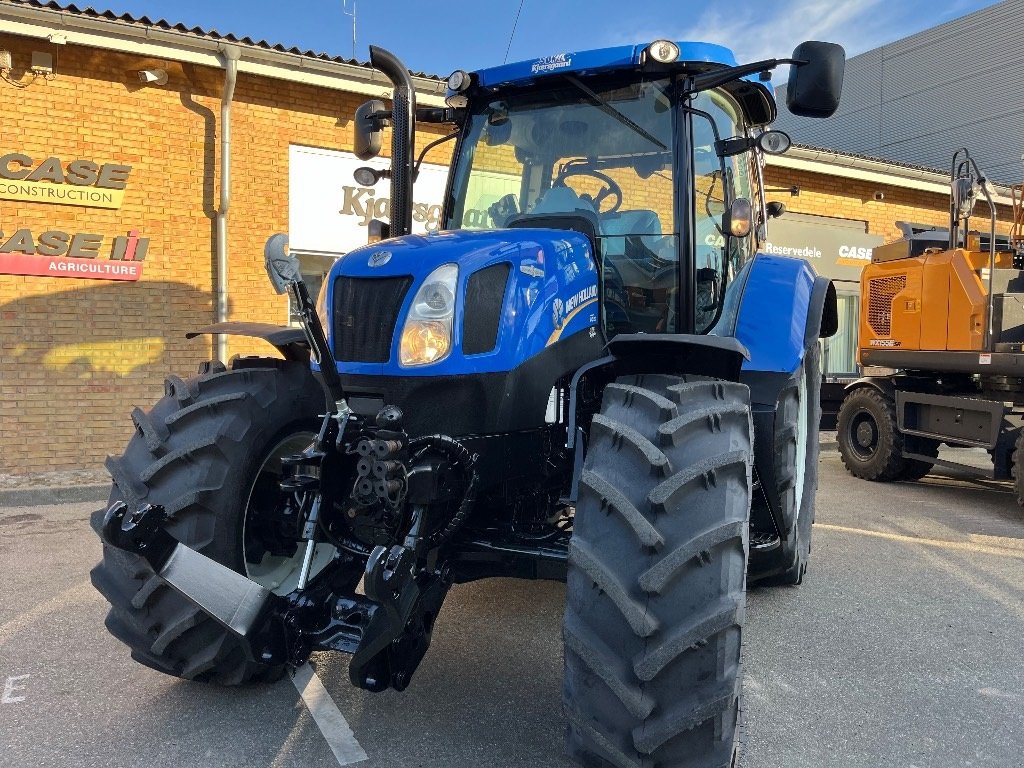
608	109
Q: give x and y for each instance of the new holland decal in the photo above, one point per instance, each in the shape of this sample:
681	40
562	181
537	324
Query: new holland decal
564	311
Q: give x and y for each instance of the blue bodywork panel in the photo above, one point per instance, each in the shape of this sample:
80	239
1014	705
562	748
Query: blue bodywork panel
551	292
600	60
772	316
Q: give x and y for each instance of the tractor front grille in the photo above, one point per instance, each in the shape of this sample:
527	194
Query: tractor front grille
881	292
365	313
482	317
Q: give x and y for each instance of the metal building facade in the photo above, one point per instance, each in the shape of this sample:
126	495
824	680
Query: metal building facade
918	99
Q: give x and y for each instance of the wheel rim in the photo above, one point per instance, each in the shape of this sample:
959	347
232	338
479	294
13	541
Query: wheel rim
279	574
863	435
802	436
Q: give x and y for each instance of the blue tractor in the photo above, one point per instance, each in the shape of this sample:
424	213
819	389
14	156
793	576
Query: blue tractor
588	374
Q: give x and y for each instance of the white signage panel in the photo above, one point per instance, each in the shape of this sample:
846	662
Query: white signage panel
328	212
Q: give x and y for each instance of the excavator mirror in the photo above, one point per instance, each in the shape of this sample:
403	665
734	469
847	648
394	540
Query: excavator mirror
816	80
965	196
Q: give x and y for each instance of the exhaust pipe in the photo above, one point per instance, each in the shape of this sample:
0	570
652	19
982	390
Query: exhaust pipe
403	137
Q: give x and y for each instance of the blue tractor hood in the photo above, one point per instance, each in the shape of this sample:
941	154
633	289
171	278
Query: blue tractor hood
550	294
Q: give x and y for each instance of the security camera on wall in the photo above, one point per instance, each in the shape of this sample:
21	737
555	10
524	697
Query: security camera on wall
153	76
879	196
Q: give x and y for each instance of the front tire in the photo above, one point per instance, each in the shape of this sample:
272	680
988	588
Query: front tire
657	575
870	443
203	452
797	445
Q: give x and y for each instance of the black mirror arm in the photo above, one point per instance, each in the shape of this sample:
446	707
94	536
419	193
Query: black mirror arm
722	76
430	146
381	119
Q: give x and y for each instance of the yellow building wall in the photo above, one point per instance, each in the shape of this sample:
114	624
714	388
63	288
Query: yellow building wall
77	355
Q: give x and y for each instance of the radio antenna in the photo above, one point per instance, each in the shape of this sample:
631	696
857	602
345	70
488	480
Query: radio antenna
352	13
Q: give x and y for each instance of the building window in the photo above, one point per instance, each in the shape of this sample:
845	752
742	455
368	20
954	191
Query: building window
839	352
314	268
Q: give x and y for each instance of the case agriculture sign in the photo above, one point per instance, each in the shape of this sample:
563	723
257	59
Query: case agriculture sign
79	254
52	180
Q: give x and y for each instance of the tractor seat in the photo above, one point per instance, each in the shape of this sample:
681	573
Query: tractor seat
615	227
560	208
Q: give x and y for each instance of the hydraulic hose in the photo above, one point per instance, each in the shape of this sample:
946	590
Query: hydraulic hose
459	455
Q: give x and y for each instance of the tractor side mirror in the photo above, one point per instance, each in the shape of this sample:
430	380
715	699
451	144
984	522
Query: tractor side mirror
368	130
739	219
816	84
775	209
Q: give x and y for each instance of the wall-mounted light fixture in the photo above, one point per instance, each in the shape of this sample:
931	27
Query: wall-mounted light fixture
153	76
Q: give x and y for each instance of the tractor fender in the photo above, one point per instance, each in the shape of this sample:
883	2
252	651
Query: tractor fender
777	306
673	353
290	342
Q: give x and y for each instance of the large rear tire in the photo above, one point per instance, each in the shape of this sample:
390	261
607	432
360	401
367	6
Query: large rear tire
657	575
204	451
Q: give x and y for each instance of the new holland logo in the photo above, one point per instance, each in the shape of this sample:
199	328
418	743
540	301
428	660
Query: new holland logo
379	258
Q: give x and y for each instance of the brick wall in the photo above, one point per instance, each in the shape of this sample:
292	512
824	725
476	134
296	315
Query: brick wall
77	355
843	198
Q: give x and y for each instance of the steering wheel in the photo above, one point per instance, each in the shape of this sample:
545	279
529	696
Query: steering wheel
611	188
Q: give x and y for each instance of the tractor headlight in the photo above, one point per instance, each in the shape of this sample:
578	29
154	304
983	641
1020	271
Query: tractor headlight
427	332
663	51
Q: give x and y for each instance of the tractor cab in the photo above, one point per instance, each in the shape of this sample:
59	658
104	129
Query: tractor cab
605	157
651	152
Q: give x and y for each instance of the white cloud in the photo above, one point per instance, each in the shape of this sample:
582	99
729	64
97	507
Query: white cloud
772	30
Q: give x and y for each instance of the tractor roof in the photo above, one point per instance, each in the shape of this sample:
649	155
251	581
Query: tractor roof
756	97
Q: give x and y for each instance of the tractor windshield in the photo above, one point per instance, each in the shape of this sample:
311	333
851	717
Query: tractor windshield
598	156
582	156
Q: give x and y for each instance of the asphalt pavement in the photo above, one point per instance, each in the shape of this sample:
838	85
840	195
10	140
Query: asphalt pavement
902	648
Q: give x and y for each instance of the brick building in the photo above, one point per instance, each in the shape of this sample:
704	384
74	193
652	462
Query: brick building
111	178
76	355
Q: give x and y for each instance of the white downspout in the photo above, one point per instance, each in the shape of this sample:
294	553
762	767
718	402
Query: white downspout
231	55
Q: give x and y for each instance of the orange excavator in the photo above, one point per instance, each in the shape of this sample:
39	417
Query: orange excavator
942	339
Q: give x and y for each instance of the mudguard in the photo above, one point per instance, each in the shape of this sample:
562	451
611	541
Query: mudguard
290	342
777	307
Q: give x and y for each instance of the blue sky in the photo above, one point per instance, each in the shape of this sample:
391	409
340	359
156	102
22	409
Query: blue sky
472	35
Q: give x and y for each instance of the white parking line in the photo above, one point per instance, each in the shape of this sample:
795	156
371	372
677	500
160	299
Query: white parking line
993	545
328	717
82	592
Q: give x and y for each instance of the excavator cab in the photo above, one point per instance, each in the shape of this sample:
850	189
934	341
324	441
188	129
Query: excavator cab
949	299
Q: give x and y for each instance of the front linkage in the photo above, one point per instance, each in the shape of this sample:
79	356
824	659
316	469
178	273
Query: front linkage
425	487
388	629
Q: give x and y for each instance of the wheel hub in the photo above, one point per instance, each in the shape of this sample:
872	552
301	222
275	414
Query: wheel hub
863	435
